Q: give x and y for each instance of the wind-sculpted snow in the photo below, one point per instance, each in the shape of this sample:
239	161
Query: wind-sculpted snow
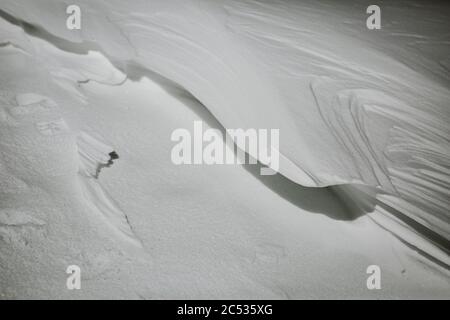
364	123
95	155
351	115
395	147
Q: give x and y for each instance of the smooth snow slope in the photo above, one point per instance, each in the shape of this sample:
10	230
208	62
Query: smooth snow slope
364	111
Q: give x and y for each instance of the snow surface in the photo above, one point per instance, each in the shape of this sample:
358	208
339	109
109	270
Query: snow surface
85	171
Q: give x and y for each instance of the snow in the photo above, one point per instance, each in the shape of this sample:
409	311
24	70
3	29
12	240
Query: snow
364	168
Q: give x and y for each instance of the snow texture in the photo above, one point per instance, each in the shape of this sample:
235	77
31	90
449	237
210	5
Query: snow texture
85	170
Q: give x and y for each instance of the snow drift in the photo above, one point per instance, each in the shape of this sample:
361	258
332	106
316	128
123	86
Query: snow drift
366	113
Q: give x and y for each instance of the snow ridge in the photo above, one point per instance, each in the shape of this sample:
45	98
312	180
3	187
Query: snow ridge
342	120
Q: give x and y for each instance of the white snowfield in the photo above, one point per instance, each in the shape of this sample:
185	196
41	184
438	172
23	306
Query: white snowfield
85	171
